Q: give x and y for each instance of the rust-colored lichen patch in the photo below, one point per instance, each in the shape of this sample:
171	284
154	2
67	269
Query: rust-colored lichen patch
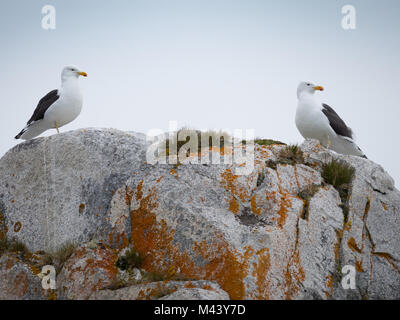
21	284
294	276
285	204
234	206
230	182
254	207
17	226
329	285
260	272
353	245
359	267
154	240
3	227
89	270
81	208
128	195
162	289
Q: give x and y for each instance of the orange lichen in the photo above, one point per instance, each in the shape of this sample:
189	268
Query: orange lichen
384	206
339	236
159	291
128	195
294	275
190	285
347	225
21	283
154	240
254	207
286	203
388	257
139	191
17	226
260	272
353	245
359	267
329	285
81	207
230	183
3	227
103	261
234	206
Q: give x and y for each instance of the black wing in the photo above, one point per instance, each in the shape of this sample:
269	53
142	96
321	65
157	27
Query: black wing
43	105
336	122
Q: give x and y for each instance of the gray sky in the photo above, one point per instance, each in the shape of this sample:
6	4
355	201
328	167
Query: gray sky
226	64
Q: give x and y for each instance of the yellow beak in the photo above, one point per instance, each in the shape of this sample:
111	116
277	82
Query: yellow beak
319	88
82	74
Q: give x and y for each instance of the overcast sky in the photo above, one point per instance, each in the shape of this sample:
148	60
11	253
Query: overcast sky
229	64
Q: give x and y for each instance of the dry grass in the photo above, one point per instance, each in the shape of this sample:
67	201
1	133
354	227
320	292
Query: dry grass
291	154
205	140
340	175
132	259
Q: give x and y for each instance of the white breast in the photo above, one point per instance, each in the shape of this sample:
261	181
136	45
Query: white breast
310	120
68	106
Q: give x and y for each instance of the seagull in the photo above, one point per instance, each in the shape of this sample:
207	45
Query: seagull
319	121
57	108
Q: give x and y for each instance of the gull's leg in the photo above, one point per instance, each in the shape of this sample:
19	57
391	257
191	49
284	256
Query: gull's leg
56	126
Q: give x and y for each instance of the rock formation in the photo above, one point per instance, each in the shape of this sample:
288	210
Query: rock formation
281	232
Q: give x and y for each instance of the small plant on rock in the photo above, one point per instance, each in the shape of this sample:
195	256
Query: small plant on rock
291	154
339	174
132	259
260	178
306	194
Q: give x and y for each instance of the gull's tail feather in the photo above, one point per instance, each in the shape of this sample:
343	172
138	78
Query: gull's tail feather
32	130
352	148
19	135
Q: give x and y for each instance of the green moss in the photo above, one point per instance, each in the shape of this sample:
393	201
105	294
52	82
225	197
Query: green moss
268	142
291	154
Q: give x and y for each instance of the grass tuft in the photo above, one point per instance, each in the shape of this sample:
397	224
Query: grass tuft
260	178
13	246
339	174
132	259
291	154
58	258
306	194
212	139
